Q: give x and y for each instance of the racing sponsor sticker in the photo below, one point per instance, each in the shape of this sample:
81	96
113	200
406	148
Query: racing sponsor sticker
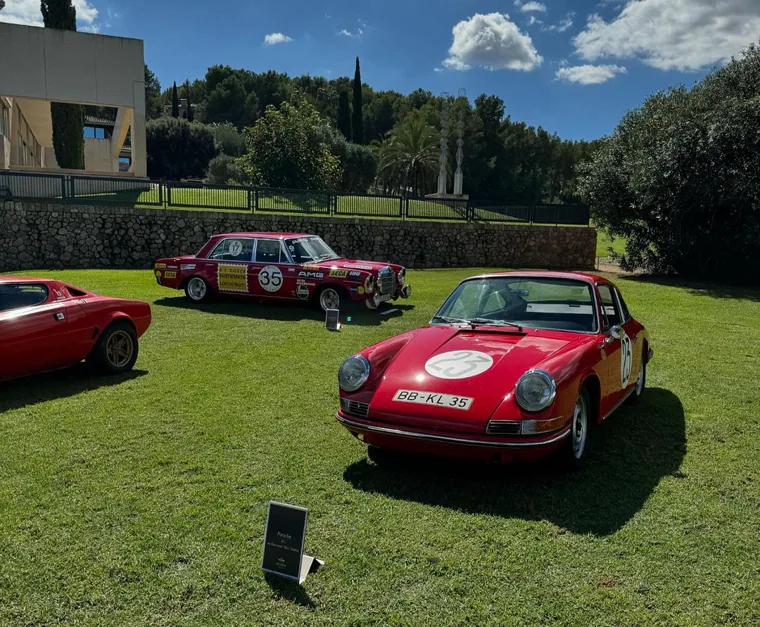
458	364
338	274
187	266
270	279
302	291
355	275
232	278
170	275
438	400
358	267
235	247
626	361
160	265
311	275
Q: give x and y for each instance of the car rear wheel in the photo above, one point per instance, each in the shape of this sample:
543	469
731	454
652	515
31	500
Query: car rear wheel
329	298
576	444
116	350
380	456
197	290
641	382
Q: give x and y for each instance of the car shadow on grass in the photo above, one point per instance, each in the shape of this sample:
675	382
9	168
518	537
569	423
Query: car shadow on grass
285	312
59	384
628	456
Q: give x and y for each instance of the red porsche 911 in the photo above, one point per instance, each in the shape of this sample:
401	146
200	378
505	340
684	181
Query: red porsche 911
514	366
47	325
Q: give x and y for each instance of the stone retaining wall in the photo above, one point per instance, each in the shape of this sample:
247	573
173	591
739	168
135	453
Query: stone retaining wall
42	235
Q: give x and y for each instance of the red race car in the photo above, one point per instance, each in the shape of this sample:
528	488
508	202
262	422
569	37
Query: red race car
47	325
514	366
285	266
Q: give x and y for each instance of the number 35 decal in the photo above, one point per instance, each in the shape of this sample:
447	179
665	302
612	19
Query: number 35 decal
270	279
626	361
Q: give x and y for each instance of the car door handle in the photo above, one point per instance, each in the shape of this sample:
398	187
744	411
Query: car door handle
59	316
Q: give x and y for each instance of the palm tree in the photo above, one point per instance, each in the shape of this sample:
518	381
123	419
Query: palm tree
409	156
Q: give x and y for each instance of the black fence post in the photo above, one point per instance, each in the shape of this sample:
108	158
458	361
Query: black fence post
556	215
248	199
72	188
168	194
63	187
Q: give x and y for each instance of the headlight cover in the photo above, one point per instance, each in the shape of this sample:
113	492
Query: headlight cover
369	284
535	390
353	373
402	276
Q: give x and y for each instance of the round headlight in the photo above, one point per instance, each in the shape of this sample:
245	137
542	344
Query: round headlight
402	276
369	284
353	373
536	390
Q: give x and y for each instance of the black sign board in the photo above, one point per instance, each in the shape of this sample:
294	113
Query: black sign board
284	539
332	317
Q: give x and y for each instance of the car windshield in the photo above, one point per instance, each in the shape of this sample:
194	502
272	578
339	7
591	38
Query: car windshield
309	250
532	302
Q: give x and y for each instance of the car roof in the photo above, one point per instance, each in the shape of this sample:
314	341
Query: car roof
265	235
586	277
23	279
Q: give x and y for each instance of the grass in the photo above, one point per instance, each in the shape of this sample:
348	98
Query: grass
141	500
605	242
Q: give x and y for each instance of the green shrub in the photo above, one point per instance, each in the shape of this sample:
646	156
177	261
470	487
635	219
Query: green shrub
178	149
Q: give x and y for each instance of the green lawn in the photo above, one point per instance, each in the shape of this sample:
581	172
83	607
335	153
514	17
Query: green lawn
605	241
141	500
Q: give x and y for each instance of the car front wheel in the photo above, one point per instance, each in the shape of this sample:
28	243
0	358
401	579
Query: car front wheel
329	298
576	444
197	290
116	350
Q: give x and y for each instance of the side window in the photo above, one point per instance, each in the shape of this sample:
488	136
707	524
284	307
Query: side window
623	307
233	250
20	296
269	251
610	309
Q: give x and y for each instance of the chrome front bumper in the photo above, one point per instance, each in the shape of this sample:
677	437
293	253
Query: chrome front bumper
443	439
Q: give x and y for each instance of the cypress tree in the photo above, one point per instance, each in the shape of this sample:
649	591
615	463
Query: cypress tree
344	115
190	114
175	101
67	119
357	120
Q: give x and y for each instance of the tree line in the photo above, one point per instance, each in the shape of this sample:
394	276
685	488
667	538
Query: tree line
383	140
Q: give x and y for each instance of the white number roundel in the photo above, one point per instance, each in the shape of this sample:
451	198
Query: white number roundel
458	364
270	279
626	361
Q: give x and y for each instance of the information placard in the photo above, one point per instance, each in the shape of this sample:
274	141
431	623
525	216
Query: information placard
284	539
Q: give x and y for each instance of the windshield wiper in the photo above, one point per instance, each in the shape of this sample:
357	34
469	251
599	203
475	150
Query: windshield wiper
493	323
448	320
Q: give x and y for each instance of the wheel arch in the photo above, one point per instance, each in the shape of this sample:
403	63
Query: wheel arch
593	386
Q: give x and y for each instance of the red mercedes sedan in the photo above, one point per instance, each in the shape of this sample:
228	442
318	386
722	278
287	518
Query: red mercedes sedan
281	266
514	366
48	325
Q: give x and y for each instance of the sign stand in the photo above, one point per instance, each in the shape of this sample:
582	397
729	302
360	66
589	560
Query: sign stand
284	539
332	319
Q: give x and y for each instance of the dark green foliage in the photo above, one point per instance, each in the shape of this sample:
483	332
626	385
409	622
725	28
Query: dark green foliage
229	102
68	135
175	101
357	115
188	98
678	178
285	148
224	170
59	14
153	108
359	163
178	149
229	140
344	115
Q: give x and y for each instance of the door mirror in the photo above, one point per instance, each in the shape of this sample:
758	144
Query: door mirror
616	333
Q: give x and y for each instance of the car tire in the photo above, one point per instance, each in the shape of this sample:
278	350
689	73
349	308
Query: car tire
371	304
641	382
330	297
197	290
575	449
116	350
380	456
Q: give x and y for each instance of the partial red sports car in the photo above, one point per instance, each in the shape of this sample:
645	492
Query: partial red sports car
284	266
47	325
513	366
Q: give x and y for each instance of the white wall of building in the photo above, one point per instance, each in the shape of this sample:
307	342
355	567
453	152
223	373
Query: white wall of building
51	65
98	156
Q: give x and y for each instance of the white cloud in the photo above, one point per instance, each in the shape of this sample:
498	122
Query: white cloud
27	12
437	69
272	39
491	41
673	34
534	20
530	7
589	74
352	34
564	24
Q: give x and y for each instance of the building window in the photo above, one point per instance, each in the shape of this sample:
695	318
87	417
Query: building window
94	132
5	119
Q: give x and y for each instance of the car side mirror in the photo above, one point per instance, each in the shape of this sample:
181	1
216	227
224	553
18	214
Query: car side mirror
615	333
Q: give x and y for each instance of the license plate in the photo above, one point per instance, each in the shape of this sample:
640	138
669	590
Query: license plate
437	400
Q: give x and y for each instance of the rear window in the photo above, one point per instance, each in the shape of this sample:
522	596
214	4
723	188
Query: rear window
20	295
237	249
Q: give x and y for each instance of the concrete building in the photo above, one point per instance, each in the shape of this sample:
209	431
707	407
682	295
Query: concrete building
42	65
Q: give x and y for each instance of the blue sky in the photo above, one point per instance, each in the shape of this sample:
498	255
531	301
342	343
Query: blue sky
571	66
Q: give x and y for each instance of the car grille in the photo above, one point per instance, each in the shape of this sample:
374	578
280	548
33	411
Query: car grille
503	427
354	408
386	281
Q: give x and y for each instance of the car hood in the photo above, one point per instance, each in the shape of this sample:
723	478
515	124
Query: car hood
355	264
483	365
